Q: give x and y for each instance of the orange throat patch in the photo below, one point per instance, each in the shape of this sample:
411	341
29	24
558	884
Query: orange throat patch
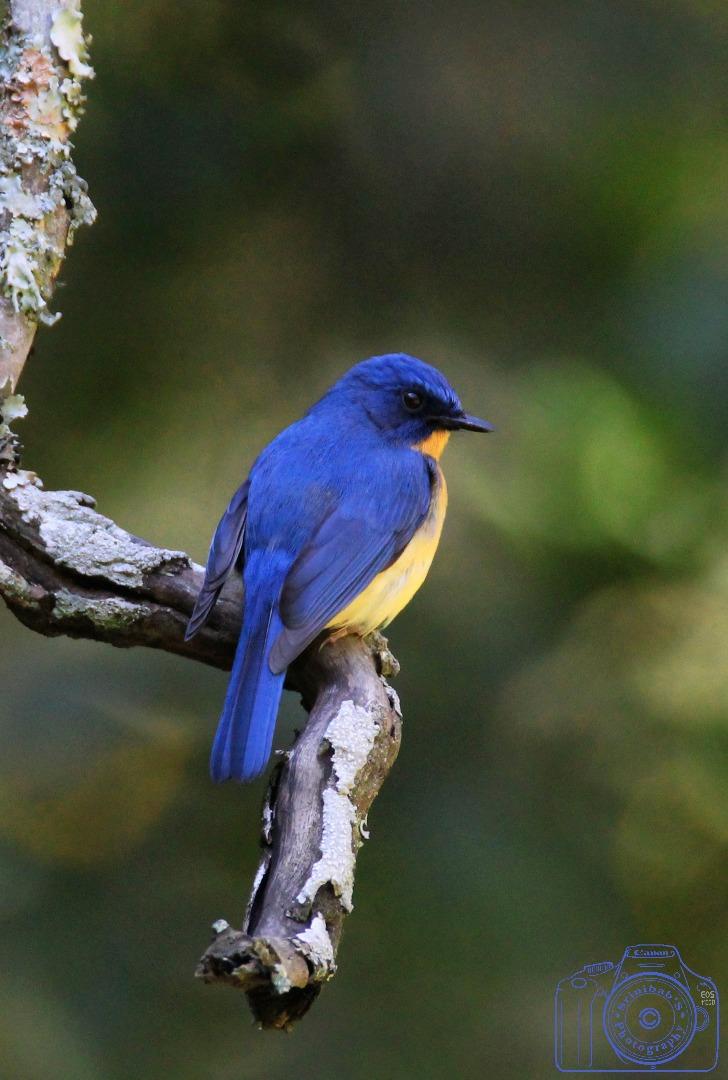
434	444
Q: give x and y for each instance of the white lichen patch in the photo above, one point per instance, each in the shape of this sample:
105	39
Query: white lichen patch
336	864
39	188
48	112
107	613
19	269
27	254
21	478
68	37
72	189
315	944
279	977
351	735
19	202
268	818
91	545
12	408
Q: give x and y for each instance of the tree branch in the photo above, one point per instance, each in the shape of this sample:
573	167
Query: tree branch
65	569
314	821
42	199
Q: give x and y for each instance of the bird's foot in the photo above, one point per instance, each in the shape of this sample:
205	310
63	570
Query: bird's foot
334	636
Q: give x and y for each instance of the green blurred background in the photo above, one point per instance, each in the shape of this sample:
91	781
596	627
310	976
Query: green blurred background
532	196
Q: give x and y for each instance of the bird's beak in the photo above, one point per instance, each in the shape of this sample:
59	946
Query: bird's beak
463	422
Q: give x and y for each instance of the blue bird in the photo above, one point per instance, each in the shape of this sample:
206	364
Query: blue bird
334	530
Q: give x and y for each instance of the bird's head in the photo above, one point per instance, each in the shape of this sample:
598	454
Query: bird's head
409	401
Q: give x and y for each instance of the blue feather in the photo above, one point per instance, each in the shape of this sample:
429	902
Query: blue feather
245	732
361	537
225	551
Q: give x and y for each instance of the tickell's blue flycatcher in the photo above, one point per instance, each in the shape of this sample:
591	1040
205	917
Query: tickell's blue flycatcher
334	530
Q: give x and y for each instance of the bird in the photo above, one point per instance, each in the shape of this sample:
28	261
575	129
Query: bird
334	531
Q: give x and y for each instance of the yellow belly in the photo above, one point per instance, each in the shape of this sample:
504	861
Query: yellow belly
392	590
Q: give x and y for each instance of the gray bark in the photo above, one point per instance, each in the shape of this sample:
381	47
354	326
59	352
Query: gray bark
42	200
65	569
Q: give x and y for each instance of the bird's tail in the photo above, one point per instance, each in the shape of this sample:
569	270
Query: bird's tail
245	732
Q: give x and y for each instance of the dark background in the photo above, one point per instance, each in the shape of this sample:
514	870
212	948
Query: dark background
532	197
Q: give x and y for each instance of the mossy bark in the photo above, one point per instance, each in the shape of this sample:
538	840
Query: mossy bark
42	199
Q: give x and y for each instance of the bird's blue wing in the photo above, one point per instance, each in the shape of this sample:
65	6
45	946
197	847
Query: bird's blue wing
225	550
360	537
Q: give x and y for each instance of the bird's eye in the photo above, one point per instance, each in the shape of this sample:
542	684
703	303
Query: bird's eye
412	401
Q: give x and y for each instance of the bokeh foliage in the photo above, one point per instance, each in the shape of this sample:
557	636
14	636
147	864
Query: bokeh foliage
530	195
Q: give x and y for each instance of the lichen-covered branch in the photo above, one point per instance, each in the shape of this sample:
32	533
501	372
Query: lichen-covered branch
43	62
66	569
314	821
